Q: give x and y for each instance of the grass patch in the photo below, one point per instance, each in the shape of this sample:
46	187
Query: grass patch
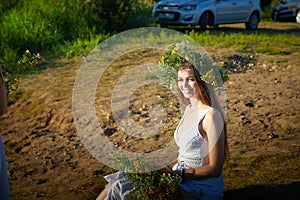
281	60
267	169
79	47
267	41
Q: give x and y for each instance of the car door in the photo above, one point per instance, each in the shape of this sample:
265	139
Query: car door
244	8
226	11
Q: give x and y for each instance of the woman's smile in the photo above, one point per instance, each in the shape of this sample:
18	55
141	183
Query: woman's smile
186	83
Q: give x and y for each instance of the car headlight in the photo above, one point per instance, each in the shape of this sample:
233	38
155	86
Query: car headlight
188	7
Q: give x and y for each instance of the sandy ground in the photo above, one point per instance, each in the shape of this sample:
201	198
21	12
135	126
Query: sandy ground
47	160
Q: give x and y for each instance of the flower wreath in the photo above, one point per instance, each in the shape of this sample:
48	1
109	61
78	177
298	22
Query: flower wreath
176	55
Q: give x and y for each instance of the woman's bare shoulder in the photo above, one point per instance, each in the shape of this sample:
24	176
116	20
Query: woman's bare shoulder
212	114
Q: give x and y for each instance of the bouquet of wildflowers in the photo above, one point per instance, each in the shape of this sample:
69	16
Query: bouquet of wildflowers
155	185
148	184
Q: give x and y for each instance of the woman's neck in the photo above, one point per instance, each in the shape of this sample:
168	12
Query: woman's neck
195	103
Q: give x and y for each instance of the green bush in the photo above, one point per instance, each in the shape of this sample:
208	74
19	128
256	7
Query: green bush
118	15
43	24
26	29
48	25
6	5
12	74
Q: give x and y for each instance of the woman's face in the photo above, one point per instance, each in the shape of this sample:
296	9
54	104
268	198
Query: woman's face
187	83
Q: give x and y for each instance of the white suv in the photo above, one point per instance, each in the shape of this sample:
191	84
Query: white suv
207	12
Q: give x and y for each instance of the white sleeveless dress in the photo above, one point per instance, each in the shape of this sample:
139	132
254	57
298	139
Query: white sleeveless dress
193	152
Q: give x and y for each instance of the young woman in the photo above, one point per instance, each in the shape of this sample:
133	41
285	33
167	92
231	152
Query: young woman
201	138
201	132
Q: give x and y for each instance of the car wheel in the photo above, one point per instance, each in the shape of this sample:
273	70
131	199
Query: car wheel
252	24
204	21
298	16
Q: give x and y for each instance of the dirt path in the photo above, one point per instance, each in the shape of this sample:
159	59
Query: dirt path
46	159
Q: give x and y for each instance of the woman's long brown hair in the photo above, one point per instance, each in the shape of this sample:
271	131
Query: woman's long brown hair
206	97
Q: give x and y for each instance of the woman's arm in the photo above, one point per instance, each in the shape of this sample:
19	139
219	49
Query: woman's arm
3	98
213	124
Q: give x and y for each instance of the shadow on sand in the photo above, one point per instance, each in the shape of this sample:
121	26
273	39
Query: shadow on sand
257	192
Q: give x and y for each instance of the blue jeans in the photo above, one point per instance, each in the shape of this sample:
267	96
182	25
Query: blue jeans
206	189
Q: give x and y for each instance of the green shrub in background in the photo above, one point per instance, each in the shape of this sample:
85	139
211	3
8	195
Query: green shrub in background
37	27
25	64
120	15
22	28
43	24
61	28
47	26
6	5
